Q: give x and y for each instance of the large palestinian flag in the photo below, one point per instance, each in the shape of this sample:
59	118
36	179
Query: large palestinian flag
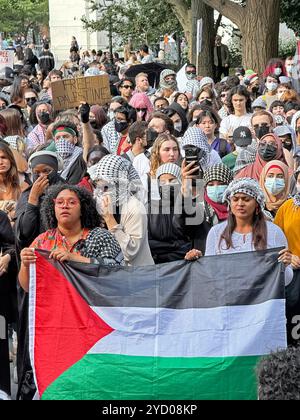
180	331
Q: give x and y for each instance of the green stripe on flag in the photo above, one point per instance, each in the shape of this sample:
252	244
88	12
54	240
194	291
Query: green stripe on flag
117	377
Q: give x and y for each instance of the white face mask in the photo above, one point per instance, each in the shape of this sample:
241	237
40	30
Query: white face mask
271	86
178	127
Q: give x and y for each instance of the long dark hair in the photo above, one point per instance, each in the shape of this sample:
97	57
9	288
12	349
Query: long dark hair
242	91
12	177
260	232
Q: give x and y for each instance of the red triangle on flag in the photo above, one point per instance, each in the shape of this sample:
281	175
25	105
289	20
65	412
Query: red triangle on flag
64	335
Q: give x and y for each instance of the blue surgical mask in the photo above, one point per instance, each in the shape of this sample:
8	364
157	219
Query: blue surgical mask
271	86
216	193
275	186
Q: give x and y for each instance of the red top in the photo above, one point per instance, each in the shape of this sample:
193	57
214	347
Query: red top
125	150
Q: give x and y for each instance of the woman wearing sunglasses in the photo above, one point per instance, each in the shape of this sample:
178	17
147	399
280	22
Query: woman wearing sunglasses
70	216
126	89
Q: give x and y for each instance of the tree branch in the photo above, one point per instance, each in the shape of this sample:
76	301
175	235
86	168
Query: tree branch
218	23
231	10
180	8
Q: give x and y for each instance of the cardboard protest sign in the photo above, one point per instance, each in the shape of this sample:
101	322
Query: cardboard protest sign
69	93
6	59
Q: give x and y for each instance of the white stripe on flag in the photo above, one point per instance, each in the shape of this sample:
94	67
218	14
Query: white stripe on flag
231	331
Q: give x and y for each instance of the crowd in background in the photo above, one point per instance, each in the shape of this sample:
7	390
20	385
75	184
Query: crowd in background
191	167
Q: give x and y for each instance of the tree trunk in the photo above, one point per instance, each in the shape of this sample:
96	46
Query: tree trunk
258	22
205	60
260	33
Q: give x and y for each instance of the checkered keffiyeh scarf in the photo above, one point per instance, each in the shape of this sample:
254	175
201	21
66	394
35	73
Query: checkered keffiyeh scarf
219	173
122	176
169	168
114	168
102	245
15	142
246	157
246	186
111	138
196	137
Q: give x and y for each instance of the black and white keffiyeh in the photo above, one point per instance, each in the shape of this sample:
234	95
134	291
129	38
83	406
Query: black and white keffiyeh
196	137
246	186
103	246
169	168
219	172
111	138
113	168
120	174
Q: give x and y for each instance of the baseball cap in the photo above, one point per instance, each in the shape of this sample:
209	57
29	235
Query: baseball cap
242	137
7	73
259	103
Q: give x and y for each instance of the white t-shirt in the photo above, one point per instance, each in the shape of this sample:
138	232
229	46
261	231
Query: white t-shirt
231	123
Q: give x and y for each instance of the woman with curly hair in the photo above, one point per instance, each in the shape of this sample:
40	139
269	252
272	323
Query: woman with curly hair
73	234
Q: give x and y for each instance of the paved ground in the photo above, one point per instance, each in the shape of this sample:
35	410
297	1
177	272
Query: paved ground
14	387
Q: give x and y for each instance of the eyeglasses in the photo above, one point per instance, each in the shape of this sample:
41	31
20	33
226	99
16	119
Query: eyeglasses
127	87
224	95
191	72
60	202
29	99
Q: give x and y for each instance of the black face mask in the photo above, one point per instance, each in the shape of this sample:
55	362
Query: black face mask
35	178
267	152
30	102
121	126
94	124
52	177
206	102
44	117
262	131
288	145
151	137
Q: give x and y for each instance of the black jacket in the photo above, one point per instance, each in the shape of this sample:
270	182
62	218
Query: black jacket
8	280
46	61
28	225
168	241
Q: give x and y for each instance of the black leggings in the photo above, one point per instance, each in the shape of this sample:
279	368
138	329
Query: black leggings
4	357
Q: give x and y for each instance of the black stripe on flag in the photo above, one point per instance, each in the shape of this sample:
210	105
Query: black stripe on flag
227	280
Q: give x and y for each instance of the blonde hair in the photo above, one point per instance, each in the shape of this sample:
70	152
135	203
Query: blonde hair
141	75
155	160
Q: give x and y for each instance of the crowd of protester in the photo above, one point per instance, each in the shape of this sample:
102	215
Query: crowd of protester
156	175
